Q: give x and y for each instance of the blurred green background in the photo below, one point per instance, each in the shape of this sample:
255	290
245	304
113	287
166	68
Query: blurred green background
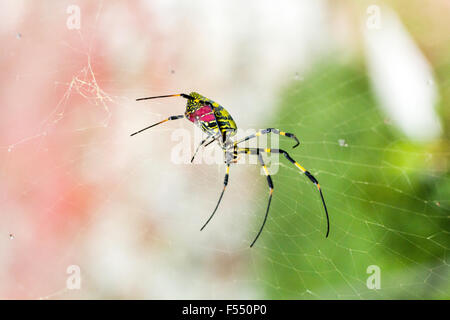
388	197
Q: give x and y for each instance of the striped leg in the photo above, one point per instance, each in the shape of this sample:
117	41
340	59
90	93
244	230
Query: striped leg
200	145
269	130
258	151
225	183
270	183
165	120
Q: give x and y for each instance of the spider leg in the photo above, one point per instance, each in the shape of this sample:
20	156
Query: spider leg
302	169
269	130
270	183
225	183
214	138
200	145
186	96
165	120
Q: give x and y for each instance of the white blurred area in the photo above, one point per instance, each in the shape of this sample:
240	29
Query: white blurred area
402	78
141	238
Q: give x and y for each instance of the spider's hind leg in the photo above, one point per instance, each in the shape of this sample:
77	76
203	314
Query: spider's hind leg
302	169
270	183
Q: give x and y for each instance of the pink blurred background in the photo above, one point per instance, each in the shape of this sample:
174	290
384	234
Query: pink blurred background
76	189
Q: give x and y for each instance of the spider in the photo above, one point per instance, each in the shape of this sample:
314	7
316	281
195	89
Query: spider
220	127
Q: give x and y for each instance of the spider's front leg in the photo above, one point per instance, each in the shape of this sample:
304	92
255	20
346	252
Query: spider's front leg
270	130
225	183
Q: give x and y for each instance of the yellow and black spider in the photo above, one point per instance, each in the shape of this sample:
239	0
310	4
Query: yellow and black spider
219	126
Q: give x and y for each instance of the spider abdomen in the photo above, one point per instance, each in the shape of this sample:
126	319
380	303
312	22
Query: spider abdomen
210	116
204	113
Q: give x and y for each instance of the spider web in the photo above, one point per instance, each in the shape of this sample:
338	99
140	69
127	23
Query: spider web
77	190
386	209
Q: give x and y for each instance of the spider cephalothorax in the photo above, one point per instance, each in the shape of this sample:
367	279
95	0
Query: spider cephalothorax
230	152
220	127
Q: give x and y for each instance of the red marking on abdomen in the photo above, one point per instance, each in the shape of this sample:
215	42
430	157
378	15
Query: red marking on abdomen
202	114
